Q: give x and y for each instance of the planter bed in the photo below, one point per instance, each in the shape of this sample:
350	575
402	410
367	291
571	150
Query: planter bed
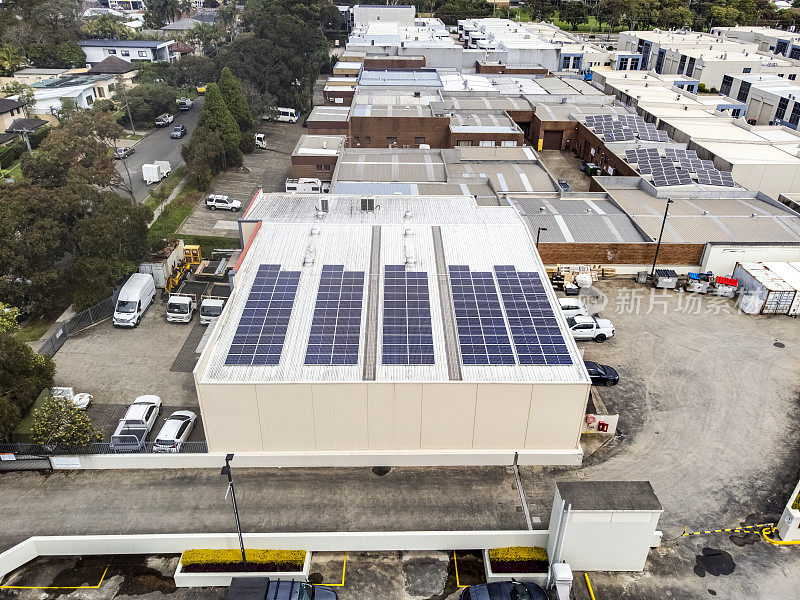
529	570
243	568
226	572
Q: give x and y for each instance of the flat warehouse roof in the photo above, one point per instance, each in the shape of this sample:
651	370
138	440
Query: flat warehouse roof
404	275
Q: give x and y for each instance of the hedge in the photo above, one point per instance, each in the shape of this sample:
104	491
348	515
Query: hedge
208	556
518	554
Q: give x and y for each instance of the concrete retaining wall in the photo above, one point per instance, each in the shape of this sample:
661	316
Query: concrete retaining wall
333	542
422	458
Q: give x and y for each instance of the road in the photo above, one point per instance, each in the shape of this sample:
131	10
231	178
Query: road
193	500
157	145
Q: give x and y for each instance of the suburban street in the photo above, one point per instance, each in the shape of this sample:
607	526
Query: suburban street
157	145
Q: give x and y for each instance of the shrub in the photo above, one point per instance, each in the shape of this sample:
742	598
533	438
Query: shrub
204	179
294	558
701	88
518	554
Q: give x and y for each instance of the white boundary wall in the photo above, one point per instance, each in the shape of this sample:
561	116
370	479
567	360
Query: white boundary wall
332	542
371	458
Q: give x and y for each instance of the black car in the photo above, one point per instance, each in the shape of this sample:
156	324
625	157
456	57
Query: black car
178	132
601	374
264	588
504	590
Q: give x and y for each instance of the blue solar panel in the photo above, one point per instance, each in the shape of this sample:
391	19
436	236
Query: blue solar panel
534	328
482	332
336	327
262	327
407	331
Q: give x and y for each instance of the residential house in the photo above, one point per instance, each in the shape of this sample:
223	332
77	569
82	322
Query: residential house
128	50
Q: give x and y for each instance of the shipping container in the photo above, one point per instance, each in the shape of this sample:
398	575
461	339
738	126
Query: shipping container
762	291
161	269
792	277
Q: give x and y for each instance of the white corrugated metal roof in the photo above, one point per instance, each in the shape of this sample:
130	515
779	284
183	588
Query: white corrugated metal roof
480	237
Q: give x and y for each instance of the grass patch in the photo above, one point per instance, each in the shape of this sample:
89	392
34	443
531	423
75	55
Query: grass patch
14	171
174	213
131	136
165	188
24	431
209	243
34	328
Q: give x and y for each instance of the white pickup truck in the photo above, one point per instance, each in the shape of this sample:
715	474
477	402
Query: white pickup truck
210	309
132	429
215	201
181	307
590	328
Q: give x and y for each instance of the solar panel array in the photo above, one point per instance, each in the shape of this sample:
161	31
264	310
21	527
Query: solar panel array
715	177
336	325
482	332
534	328
262	327
707	174
625	128
407	331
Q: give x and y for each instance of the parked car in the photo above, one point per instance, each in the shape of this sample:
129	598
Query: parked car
121	153
178	132
175	431
185	104
249	588
132	429
504	590
590	328
164	120
201	89
601	374
215	201
134	298
573	307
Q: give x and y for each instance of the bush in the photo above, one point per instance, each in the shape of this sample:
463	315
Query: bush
701	88
517	554
204	179
248	143
290	558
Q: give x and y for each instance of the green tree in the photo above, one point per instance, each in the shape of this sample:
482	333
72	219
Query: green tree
107	27
204	156
574	12
158	13
11	57
611	12
23	375
8	319
216	117
235	100
58	423
152	72
148	100
22	91
205	34
191	71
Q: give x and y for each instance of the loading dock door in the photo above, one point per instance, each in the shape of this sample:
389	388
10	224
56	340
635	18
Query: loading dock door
552	140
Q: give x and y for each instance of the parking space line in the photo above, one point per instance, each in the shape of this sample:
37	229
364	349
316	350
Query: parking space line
455	562
50	587
589	586
344	568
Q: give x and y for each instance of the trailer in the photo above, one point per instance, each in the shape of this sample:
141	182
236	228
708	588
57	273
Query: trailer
155	172
762	291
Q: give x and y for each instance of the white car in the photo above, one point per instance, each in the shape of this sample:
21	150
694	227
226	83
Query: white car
590	328
82	401
139	419
215	201
175	431
573	307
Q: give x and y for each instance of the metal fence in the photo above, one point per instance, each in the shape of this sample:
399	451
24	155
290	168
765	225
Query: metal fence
21	451
94	314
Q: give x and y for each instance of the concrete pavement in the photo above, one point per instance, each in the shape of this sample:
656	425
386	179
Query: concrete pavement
157	145
277	500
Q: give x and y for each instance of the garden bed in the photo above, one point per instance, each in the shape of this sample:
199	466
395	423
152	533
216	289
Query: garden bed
218	567
520	563
269	567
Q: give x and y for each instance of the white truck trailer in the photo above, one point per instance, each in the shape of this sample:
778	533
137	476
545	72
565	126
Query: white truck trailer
156	171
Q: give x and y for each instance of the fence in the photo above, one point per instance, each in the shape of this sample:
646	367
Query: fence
39	450
94	314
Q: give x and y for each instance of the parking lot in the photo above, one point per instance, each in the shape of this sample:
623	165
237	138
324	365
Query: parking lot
353	576
116	365
268	168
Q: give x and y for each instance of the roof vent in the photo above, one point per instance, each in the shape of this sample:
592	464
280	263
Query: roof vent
410	260
409	233
314	231
324	144
407	215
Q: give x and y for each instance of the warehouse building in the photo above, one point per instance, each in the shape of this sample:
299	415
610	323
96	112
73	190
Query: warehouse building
402	327
771	100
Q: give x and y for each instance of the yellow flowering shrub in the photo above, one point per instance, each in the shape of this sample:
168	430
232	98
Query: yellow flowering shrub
209	556
796	503
518	554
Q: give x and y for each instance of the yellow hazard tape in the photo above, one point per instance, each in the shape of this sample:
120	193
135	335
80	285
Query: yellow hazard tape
589	586
51	587
743	529
765	533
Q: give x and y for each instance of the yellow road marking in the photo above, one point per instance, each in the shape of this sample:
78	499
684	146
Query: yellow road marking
455	562
589	586
50	587
344	568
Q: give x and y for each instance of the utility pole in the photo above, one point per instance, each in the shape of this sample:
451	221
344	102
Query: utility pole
658	245
226	470
539	231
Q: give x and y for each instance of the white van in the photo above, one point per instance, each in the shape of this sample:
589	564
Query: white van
283	115
307	185
135	297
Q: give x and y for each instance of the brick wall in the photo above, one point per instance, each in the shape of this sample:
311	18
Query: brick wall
307	166
372	132
476	138
385	62
345	94
538	127
327	128
620	254
495	69
583	143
